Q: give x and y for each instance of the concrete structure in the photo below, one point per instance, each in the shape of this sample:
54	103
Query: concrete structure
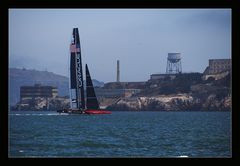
161	76
118	71
217	69
217	66
125	85
174	65
115	93
31	92
216	76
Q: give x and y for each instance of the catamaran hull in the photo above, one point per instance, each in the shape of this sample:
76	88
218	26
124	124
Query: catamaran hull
97	112
70	111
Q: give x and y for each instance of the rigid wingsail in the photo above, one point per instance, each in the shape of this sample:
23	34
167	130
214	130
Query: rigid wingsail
78	104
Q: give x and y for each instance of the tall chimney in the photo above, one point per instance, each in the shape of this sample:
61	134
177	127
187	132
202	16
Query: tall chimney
118	71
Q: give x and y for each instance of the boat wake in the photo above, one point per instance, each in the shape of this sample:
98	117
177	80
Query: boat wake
34	114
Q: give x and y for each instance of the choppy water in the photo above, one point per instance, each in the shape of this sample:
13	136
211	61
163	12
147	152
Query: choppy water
120	134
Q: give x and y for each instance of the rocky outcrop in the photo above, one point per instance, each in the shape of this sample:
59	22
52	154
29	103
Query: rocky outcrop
41	104
212	103
179	102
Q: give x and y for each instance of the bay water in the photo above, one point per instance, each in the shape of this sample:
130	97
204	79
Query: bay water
120	134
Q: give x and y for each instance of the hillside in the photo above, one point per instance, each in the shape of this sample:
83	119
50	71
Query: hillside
20	77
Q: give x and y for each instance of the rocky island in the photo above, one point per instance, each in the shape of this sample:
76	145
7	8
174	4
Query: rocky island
186	92
183	92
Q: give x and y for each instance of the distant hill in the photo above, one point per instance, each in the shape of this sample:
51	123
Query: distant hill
21	77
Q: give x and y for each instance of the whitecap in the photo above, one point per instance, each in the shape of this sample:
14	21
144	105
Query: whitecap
183	156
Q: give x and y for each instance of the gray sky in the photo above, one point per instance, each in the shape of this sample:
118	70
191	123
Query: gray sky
140	38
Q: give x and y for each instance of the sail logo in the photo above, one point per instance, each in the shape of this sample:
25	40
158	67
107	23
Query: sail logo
79	74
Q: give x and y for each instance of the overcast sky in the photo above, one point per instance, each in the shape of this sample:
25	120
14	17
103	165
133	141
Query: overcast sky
140	38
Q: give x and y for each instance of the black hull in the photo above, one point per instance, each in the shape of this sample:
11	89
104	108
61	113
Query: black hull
70	111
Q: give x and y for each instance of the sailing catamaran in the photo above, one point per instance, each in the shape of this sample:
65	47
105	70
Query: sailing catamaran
76	88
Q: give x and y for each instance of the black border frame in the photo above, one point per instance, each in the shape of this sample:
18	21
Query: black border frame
123	4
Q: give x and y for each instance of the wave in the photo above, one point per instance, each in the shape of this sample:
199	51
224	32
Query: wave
183	156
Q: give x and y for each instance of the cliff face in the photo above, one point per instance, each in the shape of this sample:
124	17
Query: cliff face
180	102
187	92
40	104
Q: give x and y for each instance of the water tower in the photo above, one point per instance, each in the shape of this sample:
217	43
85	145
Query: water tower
174	63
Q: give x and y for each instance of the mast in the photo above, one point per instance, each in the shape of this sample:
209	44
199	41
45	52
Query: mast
92	102
76	73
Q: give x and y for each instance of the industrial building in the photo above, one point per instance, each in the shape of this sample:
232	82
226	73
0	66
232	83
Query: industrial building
217	69
124	85
162	76
217	66
31	92
115	93
119	89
